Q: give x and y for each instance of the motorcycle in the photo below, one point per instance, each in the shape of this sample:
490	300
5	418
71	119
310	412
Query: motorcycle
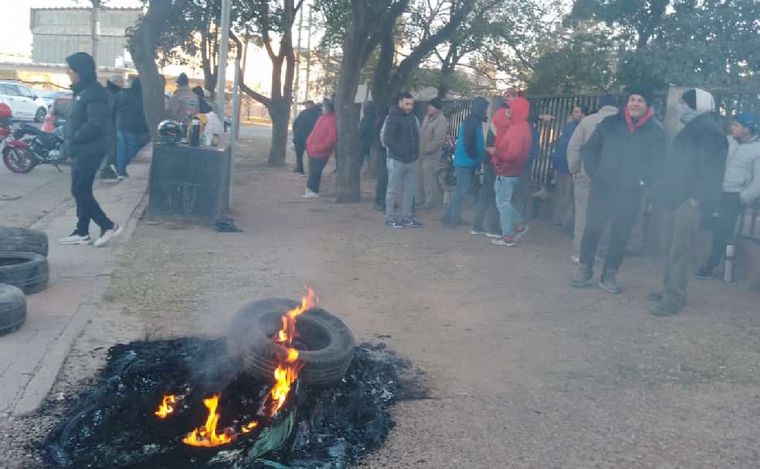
31	146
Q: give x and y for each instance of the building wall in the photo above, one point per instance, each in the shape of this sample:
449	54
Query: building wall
59	32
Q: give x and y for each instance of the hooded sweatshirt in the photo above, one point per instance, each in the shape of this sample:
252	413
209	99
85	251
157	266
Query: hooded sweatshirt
86	128
743	169
581	135
559	158
470	147
694	166
514	139
130	116
183	105
323	137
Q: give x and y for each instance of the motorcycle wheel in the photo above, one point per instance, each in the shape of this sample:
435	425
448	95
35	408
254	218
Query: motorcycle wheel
18	160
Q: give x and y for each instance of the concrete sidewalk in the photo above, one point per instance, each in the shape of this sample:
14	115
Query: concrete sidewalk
31	357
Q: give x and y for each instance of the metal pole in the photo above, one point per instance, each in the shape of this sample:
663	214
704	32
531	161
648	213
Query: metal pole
221	76
297	90
235	126
308	57
95	30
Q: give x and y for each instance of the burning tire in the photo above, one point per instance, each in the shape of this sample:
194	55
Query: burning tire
23	239
324	343
12	308
25	270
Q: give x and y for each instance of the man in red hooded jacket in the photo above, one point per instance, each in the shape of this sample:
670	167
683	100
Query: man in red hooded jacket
510	153
319	146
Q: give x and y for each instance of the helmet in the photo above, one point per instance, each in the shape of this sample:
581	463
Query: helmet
169	132
5	111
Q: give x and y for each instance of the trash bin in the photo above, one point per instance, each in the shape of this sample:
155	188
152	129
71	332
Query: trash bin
189	182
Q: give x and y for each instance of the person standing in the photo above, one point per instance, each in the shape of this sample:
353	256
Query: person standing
114	87
381	188
131	128
510	154
563	196
622	157
320	146
432	140
401	137
183	104
581	180
741	186
367	132
302	127
468	154
86	142
689	183
485	209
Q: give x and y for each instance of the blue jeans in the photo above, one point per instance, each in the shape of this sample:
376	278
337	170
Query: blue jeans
509	215
463	183
127	146
402	178
316	166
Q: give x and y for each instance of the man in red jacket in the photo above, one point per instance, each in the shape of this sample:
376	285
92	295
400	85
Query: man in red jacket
510	153
320	146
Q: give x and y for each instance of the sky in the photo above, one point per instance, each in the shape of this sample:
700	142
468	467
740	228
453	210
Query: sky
15	36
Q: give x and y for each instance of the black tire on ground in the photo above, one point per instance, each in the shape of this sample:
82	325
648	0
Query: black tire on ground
12	308
25	270
23	239
325	344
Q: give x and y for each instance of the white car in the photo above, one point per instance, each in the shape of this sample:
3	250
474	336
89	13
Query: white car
24	103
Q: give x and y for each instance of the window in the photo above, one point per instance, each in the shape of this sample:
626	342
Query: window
24	91
8	90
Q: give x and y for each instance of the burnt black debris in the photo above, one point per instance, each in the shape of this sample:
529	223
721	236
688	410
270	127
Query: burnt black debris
113	424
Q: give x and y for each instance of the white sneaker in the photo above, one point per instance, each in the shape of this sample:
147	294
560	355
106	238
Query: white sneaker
477	232
494	235
107	236
75	238
309	194
575	260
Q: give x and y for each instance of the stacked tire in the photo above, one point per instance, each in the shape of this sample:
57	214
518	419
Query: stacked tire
23	271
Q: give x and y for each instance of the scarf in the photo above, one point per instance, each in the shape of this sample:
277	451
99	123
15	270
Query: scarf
633	126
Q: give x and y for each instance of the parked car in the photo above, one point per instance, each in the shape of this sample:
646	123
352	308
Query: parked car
50	96
24	103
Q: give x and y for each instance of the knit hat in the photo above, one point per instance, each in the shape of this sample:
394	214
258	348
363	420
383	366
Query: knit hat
641	90
436	103
699	100
748	120
182	79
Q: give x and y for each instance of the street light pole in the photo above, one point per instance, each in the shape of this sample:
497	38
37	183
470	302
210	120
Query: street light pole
221	76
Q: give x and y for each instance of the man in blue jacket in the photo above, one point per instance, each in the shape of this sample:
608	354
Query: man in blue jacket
469	153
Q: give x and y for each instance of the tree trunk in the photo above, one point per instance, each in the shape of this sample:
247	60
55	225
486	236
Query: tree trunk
279	112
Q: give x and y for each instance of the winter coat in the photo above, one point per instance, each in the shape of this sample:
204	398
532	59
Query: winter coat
130	116
514	140
694	165
183	105
433	136
559	157
367	128
619	159
743	169
582	133
86	137
323	137
401	135
304	123
470	148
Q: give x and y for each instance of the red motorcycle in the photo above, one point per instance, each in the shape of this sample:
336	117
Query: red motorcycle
17	155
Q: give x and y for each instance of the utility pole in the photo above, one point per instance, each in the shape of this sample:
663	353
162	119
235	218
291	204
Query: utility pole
308	56
297	87
95	29
221	76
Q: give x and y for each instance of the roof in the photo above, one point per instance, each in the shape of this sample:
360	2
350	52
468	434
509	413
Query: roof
88	8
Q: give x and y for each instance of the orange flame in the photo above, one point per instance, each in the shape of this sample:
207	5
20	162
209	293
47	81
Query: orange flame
206	436
288	331
248	427
166	407
284	376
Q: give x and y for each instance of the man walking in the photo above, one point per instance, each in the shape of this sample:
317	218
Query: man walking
86	143
690	182
581	180
621	157
741	185
401	137
432	141
302	127
469	153
131	128
562	210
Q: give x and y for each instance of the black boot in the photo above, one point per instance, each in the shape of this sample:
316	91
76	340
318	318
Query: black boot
609	283
583	276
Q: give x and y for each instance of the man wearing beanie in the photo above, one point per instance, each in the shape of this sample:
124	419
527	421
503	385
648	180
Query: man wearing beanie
432	140
689	185
741	185
183	104
621	157
86	142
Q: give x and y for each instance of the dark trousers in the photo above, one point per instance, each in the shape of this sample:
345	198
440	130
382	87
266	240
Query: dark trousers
82	178
680	227
382	179
486	206
316	166
300	149
621	208
723	231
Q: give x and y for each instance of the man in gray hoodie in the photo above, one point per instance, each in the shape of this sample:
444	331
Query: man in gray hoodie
741	185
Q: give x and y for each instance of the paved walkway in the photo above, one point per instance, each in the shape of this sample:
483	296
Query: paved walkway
31	357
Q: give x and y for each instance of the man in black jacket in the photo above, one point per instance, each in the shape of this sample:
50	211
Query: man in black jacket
621	157
689	186
401	138
302	127
131	128
86	142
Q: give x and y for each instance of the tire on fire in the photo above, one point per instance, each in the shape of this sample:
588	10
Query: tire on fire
23	239
324	343
25	270
12	308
